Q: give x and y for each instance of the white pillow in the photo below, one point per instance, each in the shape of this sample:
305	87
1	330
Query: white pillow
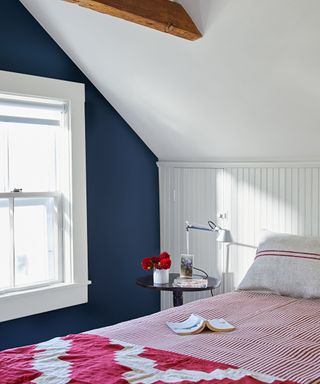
285	264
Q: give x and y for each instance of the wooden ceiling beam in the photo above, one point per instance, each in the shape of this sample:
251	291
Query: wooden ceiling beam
163	15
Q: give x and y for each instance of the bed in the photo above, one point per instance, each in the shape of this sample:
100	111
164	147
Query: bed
277	339
276	313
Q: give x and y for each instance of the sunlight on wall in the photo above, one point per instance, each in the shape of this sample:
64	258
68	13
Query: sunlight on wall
277	199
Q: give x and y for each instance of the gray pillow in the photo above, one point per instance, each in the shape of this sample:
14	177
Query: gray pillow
285	264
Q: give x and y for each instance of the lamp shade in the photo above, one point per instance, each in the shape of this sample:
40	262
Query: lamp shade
224	236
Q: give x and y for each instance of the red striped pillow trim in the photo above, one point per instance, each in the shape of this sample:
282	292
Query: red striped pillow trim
283	251
297	256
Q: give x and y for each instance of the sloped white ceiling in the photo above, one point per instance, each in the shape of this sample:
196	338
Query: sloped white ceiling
248	90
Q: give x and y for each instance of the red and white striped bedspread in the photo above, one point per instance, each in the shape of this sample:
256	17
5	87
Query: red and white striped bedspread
277	340
275	335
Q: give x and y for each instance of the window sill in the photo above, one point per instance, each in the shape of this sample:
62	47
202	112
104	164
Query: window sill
30	302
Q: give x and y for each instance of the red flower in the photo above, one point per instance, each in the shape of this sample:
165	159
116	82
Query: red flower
159	262
164	255
165	263
147	264
155	259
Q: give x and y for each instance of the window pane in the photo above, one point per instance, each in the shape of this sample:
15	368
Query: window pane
4	244
35	240
32	157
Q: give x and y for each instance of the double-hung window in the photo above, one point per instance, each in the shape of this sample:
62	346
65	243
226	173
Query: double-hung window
43	259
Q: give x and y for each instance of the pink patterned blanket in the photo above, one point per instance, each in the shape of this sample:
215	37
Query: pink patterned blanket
277	340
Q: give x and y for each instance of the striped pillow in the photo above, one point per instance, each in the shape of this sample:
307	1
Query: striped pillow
285	264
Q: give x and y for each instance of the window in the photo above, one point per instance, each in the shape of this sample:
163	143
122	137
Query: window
43	256
30	200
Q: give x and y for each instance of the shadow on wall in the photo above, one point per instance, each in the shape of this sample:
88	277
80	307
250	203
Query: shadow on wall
203	12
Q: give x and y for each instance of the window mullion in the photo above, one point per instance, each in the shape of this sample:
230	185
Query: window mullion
12	246
7	181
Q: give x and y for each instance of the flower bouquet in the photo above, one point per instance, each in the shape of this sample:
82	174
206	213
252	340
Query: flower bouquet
160	266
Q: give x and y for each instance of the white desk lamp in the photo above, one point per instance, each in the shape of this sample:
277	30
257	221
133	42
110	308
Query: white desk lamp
223	236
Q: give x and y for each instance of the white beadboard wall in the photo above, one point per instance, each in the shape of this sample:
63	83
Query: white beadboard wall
278	197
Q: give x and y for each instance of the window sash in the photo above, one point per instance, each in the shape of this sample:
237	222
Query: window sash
9	167
58	239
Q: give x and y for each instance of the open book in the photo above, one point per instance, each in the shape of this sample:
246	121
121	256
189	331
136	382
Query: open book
196	324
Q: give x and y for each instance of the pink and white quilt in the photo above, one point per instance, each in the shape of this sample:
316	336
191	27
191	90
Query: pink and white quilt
86	358
277	340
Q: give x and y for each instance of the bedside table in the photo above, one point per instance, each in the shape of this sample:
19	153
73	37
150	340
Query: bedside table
147	282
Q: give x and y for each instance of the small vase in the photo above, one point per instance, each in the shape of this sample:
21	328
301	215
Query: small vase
160	276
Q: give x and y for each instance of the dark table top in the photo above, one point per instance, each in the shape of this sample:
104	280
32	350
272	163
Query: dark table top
147	282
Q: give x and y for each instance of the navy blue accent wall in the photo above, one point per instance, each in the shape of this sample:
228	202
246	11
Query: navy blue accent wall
122	194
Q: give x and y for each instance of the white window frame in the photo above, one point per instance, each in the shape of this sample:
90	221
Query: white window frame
74	288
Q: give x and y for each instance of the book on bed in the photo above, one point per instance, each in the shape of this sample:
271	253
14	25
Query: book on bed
196	324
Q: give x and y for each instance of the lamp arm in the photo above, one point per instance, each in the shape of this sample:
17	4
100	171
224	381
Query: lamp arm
211	227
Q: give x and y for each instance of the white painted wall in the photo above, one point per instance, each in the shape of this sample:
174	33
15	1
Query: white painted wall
278	197
249	89
189	194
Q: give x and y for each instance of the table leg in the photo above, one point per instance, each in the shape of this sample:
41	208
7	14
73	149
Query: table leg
177	298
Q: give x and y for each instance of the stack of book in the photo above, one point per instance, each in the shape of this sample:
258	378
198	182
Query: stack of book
190	283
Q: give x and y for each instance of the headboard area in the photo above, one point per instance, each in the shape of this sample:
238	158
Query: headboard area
244	198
